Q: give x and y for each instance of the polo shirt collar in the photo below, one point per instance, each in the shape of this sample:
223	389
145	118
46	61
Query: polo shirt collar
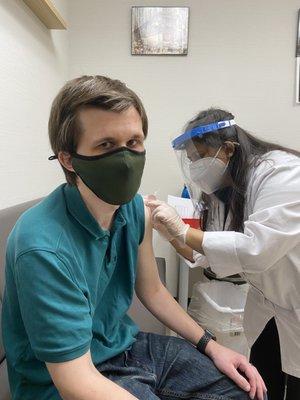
77	208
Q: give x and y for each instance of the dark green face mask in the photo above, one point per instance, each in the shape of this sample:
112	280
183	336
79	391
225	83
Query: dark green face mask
114	177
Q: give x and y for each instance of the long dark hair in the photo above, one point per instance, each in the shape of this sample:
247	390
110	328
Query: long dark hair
248	152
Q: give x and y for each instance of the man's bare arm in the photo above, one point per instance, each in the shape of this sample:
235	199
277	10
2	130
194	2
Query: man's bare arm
78	379
155	297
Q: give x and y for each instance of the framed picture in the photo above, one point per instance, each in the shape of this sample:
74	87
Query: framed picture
159	30
298	62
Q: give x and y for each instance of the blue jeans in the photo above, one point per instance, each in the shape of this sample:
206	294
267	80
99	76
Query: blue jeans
165	367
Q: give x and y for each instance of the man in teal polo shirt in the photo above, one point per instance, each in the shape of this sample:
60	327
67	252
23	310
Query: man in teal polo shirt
75	259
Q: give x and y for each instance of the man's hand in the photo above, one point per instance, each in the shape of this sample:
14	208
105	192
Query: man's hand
235	365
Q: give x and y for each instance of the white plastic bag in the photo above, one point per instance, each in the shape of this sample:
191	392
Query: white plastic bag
219	307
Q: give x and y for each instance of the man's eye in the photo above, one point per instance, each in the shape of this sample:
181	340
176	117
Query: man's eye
132	142
105	145
136	143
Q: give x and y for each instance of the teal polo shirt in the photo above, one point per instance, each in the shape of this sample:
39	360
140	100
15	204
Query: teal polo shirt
69	285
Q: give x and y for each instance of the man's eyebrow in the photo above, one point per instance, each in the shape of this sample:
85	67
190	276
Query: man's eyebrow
138	136
113	139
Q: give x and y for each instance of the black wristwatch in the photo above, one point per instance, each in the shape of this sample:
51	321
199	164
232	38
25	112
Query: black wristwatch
201	345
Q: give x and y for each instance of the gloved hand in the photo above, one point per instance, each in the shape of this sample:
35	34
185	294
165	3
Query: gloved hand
162	213
163	231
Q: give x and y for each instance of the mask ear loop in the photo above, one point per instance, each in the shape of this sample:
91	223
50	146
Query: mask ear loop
217	153
226	165
216	157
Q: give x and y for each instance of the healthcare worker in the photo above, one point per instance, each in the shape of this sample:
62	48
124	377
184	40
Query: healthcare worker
249	192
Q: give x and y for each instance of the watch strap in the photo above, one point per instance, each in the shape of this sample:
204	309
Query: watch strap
207	337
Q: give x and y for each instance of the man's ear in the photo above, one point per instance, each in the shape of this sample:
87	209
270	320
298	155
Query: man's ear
65	159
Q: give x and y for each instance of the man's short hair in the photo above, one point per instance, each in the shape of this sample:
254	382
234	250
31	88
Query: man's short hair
87	91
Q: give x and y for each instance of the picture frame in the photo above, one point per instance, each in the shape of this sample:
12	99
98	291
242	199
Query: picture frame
159	30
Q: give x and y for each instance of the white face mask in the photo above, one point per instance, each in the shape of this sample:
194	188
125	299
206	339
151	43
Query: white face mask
207	173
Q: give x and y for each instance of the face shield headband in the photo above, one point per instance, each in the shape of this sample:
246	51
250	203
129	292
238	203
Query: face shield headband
200	131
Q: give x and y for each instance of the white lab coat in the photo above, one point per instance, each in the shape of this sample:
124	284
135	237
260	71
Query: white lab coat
267	254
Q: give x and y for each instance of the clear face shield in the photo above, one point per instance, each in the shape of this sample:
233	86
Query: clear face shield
202	172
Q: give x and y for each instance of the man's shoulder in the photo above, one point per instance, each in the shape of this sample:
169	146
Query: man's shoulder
135	206
40	226
134	213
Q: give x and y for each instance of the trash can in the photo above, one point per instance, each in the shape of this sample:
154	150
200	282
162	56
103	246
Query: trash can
236	279
219	307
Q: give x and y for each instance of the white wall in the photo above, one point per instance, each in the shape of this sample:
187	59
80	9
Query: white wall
32	69
241	57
